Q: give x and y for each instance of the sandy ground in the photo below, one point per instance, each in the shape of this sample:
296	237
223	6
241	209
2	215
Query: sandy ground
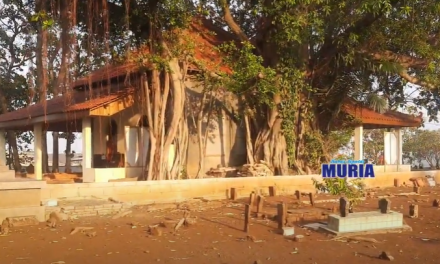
56	178
217	237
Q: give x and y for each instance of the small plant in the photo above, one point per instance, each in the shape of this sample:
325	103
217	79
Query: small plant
353	190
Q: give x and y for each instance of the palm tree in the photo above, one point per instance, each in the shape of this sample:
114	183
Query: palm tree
377	102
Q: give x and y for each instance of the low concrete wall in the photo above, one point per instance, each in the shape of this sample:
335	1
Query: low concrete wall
171	191
105	174
391	168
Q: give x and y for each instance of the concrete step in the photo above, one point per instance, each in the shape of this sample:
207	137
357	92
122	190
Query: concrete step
5	175
4	168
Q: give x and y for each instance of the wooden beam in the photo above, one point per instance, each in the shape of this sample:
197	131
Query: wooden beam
113	107
27	124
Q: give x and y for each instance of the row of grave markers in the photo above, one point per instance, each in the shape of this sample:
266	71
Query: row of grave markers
281	208
384	207
344	206
233	195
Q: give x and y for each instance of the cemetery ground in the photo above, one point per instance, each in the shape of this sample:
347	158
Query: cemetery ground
216	235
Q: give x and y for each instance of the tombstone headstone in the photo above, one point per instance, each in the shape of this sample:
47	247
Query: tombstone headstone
247	217
416	189
414	211
384	206
431	182
344	205
298	195
312	199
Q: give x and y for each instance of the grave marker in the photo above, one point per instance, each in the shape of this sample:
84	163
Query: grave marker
282	215
344	204
260	202
272	191
247	217
312	199
298	195
416	189
252	199
233	194
414	211
384	206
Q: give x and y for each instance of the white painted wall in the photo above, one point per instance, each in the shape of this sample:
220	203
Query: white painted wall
390	148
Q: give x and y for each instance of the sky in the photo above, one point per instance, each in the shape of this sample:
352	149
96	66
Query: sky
76	146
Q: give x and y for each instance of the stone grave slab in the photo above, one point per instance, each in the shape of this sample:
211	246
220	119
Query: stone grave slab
6	173
359	222
21	198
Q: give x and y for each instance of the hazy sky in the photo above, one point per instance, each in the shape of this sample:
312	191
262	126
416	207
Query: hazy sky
76	146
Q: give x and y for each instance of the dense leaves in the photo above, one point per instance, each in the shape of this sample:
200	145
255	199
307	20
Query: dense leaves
422	146
294	65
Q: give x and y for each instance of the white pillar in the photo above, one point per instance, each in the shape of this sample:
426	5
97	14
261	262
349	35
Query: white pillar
86	143
399	137
390	148
38	153
358	143
2	148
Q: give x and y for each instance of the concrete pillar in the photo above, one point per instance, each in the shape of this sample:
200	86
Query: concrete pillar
2	148
38	151
399	137
87	143
390	148
358	143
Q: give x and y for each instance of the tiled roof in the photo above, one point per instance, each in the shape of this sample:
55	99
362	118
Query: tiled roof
206	38
77	101
106	73
387	119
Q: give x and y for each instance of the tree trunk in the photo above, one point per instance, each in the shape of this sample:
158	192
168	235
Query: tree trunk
150	156
270	145
68	165
178	89
249	147
11	136
12	141
45	159
55	154
42	80
162	133
200	139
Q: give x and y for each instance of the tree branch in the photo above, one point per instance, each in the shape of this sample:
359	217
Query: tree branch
404	60
330	48
414	80
231	22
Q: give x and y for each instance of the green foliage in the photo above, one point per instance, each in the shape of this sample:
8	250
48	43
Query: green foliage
377	103
353	190
247	69
342	157
419	145
44	18
373	141
250	77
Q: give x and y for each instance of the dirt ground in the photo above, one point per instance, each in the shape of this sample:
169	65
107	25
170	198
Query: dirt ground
56	178
218	237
